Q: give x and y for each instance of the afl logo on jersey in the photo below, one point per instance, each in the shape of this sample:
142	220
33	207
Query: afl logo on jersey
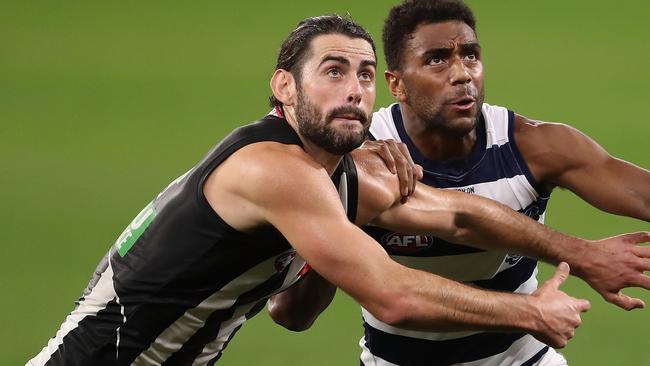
406	243
284	260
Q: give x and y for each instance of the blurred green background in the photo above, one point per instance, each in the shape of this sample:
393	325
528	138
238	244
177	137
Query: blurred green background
103	103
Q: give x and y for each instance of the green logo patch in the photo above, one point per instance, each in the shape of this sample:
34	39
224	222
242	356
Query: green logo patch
132	232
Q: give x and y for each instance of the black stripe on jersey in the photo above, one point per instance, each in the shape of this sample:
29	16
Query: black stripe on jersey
193	347
536	358
256	309
407	351
92	335
348	167
208	333
511	278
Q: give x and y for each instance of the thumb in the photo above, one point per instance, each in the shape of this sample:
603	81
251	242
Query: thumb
419	172
560	275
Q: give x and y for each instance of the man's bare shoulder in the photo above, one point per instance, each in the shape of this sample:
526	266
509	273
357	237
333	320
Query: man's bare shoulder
551	148
269	166
261	176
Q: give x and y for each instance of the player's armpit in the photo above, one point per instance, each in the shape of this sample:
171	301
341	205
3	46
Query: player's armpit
560	155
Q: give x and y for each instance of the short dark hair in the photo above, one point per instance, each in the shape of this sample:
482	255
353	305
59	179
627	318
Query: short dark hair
404	18
295	48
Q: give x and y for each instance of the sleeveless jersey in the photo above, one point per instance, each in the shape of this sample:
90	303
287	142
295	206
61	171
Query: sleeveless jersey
179	281
494	169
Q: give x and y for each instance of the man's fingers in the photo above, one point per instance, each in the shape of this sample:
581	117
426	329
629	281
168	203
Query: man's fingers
638	237
412	170
644	264
387	156
560	275
641	251
419	172
582	305
641	280
625	302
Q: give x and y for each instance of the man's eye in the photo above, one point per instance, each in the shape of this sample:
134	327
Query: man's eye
333	73
471	57
366	76
435	61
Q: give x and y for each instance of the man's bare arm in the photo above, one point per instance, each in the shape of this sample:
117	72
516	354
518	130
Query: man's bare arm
294	195
560	155
609	265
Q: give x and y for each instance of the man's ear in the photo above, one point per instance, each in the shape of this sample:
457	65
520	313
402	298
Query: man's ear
395	85
283	86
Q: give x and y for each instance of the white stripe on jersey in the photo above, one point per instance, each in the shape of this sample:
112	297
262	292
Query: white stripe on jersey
227	328
465	267
101	294
172	339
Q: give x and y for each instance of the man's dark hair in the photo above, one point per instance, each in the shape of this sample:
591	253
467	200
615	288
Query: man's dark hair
404	18
294	49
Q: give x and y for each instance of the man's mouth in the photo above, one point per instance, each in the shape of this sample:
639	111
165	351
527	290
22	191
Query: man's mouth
464	102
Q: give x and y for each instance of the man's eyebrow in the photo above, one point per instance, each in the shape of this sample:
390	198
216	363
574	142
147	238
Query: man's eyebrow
438	51
445	51
473	46
372	63
339	59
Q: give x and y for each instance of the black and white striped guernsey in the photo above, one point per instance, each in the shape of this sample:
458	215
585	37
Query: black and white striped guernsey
495	169
179	281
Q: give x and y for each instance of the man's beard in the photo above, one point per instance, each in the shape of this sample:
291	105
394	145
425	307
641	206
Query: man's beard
318	130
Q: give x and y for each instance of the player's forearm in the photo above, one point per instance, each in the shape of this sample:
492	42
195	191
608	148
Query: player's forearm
298	307
490	225
433	303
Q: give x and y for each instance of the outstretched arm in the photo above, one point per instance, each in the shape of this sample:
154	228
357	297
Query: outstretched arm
307	211
609	265
608	183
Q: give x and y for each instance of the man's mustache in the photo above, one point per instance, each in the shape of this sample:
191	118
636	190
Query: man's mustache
348	111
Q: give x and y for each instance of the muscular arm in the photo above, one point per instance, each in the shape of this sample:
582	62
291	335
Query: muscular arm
608	265
457	217
559	155
282	187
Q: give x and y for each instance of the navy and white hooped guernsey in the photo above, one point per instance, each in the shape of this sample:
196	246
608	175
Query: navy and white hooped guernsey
494	169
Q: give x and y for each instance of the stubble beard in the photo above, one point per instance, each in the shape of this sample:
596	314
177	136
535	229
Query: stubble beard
319	130
435	120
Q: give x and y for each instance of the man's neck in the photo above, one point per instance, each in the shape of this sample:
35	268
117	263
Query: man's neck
436	144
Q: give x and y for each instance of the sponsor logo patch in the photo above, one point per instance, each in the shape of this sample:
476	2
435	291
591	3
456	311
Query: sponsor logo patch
406	243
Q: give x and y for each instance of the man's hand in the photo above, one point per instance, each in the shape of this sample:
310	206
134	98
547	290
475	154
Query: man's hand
398	160
615	263
559	312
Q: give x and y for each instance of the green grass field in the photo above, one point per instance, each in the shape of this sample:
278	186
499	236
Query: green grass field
103	103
